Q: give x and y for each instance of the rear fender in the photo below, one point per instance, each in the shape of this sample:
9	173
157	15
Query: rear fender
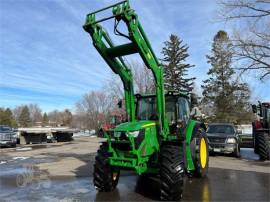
192	128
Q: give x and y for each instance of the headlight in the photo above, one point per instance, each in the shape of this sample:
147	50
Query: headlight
231	140
134	133
140	138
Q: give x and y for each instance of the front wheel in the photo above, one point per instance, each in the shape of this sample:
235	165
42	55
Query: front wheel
200	153
171	173
105	176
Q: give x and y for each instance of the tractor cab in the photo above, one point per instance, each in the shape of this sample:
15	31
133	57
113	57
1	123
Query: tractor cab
177	109
263	111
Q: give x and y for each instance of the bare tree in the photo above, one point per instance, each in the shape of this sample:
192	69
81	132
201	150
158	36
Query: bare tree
54	118
143	81
35	113
17	111
93	109
60	118
143	78
252	33
114	87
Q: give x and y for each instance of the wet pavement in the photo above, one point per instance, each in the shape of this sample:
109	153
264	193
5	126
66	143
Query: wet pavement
22	178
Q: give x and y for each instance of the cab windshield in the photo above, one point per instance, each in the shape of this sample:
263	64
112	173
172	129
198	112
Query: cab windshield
146	108
176	108
115	120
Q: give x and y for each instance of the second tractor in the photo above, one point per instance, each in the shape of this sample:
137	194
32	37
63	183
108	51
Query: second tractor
261	130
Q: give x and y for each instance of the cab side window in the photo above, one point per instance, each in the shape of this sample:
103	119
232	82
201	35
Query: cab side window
183	109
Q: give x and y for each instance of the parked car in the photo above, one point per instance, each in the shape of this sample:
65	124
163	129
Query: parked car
8	137
223	138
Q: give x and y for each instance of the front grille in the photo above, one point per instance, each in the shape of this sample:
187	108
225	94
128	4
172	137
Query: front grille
121	146
5	136
216	140
218	146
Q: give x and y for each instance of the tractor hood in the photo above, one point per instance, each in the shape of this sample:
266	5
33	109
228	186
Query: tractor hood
133	126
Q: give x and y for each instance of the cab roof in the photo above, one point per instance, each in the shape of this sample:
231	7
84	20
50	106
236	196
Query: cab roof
172	93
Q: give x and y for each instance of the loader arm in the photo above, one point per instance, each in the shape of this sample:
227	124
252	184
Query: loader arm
138	44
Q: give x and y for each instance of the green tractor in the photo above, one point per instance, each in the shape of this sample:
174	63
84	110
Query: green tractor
158	138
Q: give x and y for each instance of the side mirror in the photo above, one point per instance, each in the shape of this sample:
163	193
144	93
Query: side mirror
120	104
195	112
254	108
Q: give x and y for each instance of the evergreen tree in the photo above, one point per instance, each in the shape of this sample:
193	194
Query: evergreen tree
222	92
45	119
175	67
6	117
24	117
66	117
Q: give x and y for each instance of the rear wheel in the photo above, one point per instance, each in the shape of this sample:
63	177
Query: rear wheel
171	172
200	153
263	146
105	176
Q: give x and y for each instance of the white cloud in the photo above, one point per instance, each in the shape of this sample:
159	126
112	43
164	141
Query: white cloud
48	54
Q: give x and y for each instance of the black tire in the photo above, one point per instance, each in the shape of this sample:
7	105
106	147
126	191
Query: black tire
263	146
105	176
255	143
101	133
171	173
236	152
201	168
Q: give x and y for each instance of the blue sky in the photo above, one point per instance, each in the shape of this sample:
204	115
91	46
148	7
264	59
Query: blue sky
47	58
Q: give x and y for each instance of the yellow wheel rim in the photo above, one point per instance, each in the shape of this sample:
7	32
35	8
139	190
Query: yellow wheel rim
115	174
203	153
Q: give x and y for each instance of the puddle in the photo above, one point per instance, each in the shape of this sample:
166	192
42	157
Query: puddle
23	148
20	158
247	154
3	162
132	188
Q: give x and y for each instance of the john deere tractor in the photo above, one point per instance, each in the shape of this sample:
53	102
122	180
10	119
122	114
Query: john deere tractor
261	130
159	138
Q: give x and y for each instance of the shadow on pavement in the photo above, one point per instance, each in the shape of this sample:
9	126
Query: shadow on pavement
148	186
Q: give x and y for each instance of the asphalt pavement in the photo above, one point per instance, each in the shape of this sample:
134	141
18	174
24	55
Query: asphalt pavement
63	172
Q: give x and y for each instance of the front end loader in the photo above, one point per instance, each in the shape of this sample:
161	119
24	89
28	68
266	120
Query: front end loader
159	137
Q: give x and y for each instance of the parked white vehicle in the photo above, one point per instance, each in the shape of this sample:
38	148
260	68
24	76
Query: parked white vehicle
8	137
